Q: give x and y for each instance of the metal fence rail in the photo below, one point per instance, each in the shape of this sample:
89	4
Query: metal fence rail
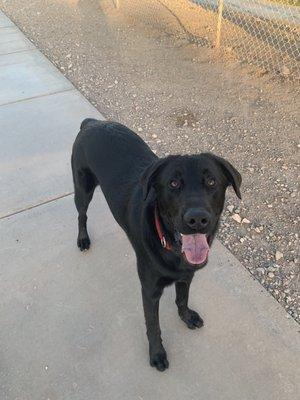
262	32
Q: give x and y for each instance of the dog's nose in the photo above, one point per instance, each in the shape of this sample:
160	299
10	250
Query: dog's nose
196	218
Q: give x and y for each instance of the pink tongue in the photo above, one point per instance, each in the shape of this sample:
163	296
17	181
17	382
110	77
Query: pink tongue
195	248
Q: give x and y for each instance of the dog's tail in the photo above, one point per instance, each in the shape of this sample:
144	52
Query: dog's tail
86	122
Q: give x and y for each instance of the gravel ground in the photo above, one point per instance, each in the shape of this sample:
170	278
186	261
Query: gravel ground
138	65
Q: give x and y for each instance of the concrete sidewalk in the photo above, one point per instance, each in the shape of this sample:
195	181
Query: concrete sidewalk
72	325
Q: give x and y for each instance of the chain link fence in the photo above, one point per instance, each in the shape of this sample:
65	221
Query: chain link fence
265	33
262	32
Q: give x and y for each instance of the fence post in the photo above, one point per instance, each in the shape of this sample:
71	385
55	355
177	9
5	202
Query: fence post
219	23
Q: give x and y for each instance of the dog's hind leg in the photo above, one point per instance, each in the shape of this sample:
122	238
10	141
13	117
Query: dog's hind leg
84	184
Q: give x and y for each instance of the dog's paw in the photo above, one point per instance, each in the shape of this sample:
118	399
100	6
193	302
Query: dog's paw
192	319
159	361
83	243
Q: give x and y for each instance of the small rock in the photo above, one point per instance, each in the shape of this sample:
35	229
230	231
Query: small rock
271	275
140	129
285	71
278	255
237	218
230	208
154	136
245	221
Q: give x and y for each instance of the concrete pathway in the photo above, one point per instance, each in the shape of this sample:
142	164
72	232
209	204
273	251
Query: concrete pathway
72	324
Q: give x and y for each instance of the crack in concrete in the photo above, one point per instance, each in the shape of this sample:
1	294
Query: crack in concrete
36	205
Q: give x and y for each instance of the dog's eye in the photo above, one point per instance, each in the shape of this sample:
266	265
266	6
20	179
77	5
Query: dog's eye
174	184
210	182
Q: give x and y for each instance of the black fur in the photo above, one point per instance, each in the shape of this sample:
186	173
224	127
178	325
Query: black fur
134	180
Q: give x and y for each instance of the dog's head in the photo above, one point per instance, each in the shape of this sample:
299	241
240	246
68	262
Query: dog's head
190	194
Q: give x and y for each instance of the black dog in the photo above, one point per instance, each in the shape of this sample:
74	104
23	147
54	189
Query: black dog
168	207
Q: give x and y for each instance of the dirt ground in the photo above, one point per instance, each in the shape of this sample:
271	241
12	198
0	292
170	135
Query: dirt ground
139	65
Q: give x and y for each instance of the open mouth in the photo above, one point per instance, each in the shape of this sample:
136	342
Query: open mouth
195	248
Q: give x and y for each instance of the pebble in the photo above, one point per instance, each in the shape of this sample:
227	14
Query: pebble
278	255
271	274
154	136
245	221
230	208
237	218
285	71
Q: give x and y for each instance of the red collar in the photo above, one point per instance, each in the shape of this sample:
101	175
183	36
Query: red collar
159	230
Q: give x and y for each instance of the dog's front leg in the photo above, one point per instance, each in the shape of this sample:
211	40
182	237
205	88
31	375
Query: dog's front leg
158	355
190	317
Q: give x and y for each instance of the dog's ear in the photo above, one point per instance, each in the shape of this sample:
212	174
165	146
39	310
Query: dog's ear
150	174
233	176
